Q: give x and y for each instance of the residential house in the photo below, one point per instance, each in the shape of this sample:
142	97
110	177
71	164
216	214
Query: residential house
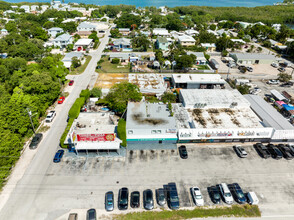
44	8
122	43
26	8
210	47
244	24
67	60
55	4
162	32
63	40
212	32
277	27
200	58
146	33
83	44
238	42
86	26
186	40
6	13
84	34
191	32
54	31
34	8
101	27
161	43
124	31
123	57
68	20
3	32
176	34
222	31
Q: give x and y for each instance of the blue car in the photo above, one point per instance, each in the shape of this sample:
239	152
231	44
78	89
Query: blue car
58	156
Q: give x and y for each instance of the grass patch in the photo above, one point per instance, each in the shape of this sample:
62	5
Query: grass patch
43	128
199	212
202	67
81	68
121	131
108	67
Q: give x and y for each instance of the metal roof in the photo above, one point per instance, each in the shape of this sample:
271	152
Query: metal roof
63	37
253	56
269	115
162	40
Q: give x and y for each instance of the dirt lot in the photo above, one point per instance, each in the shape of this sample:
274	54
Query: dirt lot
107	80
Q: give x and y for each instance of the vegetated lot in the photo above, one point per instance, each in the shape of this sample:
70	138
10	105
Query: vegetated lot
81	68
108	67
233	211
83	182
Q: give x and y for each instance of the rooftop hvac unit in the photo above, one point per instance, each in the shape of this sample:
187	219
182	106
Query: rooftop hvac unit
234	104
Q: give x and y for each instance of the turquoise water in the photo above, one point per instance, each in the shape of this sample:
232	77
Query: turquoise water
170	3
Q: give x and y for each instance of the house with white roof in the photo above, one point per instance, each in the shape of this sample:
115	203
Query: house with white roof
68	20
277	27
210	47
34	8
122	43
26	8
162	32
63	40
5	13
3	32
200	58
54	31
83	44
191	32
67	60
186	40
86	26
124	31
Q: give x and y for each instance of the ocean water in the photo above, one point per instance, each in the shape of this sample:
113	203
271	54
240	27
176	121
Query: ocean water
170	3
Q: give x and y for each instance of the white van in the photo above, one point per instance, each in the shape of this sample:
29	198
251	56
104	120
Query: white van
252	198
226	193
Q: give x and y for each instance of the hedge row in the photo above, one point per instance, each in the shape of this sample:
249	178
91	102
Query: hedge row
74	113
121	131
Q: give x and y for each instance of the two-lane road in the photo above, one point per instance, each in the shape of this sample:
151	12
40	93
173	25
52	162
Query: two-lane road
22	203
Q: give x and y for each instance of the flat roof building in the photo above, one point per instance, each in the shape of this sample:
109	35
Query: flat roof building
197	81
150	123
253	58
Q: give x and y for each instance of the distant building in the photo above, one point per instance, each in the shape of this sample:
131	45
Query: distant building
54	31
86	26
253	58
200	58
26	8
197	81
150	123
122	43
209	47
123	57
186	40
161	43
67	60
63	40
191	32
124	31
162	32
3	32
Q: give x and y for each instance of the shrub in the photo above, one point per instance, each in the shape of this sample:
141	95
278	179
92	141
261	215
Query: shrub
96	92
85	93
63	136
115	61
76	107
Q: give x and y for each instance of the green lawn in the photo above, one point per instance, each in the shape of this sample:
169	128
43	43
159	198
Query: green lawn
121	131
199	212
108	67
202	67
81	68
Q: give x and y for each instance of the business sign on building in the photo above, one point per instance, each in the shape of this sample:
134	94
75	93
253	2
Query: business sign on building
95	137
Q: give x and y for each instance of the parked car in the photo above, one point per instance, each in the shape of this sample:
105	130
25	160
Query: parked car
275	65
73	216
273	82
197	196
214	194
285	151
183	152
160	197
252	198
148	199
109	201
287	84
58	156
91	214
50	116
172	196
282	69
123	198
249	69
274	151
240	151
226	194
262	150
135	199
36	140
291	147
61	100
237	193
71	82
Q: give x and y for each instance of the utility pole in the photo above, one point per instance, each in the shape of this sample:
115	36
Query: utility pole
30	115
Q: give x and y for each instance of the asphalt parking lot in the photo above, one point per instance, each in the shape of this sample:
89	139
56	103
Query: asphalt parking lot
82	183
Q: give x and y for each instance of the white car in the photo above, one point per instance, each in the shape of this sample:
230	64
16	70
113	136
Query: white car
50	116
197	196
240	151
224	189
274	65
273	82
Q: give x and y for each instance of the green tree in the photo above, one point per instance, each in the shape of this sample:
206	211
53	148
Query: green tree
96	92
119	95
75	62
168	97
184	61
127	20
243	89
94	37
284	77
141	42
115	33
159	56
115	61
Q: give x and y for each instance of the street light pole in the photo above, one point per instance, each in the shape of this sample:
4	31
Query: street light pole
30	115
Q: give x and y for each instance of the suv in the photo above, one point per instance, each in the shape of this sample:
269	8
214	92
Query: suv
172	196
183	152
224	189
286	151
36	140
275	152
237	193
240	151
214	194
273	82
123	198
50	116
262	150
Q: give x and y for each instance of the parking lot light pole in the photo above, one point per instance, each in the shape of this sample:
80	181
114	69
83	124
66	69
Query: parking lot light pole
30	115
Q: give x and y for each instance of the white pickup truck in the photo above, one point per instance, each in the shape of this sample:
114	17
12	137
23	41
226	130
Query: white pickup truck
50	116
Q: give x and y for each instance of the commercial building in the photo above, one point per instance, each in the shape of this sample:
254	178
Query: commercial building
253	58
197	81
94	133
283	130
150	123
217	116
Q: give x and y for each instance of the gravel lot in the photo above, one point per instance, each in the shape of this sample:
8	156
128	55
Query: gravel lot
81	184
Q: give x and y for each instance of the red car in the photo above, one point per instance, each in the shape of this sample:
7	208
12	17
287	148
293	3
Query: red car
71	82
61	100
